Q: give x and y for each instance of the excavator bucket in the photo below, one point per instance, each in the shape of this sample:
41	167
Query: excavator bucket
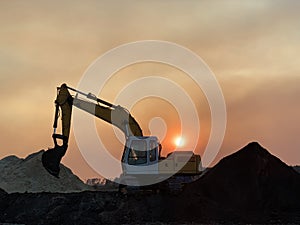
51	159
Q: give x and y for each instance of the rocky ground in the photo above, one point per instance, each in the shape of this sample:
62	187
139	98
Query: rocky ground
250	186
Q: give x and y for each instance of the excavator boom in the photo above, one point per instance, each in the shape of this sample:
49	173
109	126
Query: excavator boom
115	115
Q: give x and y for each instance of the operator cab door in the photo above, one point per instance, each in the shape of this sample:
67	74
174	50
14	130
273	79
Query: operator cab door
141	155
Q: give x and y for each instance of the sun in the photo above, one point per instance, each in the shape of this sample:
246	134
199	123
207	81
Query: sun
179	141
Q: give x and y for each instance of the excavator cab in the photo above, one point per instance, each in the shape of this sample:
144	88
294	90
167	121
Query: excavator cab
141	151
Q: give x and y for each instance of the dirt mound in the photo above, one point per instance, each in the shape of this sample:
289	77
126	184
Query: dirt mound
28	175
297	168
2	194
250	180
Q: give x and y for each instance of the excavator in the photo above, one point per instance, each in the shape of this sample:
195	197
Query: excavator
139	150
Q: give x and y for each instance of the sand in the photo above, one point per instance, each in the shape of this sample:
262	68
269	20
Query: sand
28	175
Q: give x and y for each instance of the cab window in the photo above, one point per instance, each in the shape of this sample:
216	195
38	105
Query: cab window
137	152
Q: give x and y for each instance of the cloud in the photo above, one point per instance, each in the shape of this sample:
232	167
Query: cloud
268	113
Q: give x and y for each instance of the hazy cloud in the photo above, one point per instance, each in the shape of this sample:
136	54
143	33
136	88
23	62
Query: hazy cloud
252	47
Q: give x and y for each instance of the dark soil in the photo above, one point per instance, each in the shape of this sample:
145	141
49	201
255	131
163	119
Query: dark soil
250	185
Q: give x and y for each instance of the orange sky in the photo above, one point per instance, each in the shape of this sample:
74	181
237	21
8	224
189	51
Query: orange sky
251	46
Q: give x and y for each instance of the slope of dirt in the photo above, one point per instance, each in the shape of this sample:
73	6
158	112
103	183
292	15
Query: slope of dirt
250	181
297	168
28	175
3	194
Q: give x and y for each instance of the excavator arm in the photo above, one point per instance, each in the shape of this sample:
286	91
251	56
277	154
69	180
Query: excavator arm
117	116
112	114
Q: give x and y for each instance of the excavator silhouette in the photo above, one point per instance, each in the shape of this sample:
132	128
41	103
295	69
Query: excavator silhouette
138	151
108	112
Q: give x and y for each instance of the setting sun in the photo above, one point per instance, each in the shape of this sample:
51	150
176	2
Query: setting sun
179	141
